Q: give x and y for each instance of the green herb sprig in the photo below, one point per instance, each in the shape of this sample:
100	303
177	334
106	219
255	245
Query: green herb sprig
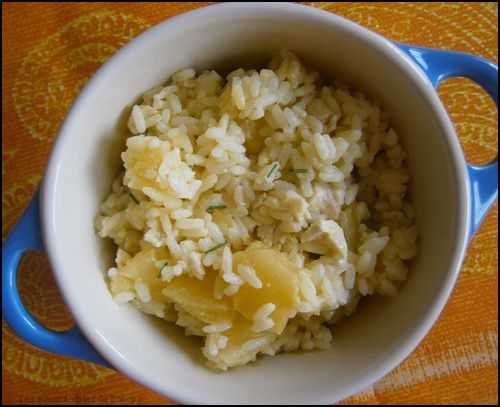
271	171
216	247
133	197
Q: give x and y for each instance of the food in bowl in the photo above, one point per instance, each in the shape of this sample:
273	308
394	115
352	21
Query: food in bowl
256	210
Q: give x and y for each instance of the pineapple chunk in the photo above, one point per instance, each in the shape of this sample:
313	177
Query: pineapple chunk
197	297
234	354
240	333
325	237
142	266
141	158
121	283
280	285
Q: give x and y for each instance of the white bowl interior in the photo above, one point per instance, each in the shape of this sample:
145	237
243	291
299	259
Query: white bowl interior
87	157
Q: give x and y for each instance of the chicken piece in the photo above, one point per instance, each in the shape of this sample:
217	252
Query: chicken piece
296	205
325	201
325	237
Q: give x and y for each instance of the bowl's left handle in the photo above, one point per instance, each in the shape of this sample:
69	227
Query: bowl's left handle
26	236
438	65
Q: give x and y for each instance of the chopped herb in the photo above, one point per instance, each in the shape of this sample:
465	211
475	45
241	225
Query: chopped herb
161	269
133	197
272	170
211	208
215	247
300	170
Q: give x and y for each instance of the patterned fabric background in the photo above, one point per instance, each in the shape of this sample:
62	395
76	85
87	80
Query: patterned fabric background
50	50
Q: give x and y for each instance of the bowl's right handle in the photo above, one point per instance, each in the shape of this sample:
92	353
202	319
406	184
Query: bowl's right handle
26	236
438	65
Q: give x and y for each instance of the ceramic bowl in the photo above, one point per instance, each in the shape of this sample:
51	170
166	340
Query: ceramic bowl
450	196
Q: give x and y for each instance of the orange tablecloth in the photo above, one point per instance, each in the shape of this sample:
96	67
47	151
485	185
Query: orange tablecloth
50	50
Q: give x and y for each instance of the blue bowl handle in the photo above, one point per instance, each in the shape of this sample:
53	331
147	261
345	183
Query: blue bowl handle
439	65
26	236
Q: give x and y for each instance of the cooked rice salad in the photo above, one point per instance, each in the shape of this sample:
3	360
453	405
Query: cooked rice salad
256	210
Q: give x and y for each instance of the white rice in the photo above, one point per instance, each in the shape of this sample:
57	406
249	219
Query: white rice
214	165
123	297
112	272
254	344
264	311
214	328
142	291
261	319
248	274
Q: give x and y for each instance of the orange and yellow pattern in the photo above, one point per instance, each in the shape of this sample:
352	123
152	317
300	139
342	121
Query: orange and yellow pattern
51	49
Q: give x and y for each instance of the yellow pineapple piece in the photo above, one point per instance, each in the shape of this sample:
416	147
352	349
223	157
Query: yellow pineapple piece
280	285
197	297
121	283
235	353
139	159
143	266
240	332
